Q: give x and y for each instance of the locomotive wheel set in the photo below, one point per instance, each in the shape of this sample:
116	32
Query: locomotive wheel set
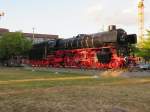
111	49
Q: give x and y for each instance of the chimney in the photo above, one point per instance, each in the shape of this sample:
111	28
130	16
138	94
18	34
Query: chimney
111	27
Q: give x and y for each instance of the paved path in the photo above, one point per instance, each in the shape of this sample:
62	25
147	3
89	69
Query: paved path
115	73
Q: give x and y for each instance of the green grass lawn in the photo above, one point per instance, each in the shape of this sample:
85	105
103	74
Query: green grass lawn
71	95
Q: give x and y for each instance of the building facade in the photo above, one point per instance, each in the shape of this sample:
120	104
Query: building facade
35	37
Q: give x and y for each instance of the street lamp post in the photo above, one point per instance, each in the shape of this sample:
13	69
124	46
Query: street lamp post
33	29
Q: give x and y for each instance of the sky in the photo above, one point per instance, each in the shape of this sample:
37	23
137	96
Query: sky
68	18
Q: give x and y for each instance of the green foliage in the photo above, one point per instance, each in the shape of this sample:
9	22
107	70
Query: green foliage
13	44
143	49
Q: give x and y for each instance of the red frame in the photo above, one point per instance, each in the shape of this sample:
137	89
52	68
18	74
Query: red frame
79	58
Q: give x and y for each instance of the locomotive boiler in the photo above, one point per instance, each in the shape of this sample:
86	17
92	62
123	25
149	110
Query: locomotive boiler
109	49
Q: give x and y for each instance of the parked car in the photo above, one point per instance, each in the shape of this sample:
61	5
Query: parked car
144	66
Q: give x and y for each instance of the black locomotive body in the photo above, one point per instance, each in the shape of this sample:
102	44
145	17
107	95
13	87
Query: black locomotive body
110	49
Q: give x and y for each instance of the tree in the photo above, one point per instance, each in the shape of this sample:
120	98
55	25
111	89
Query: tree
13	44
143	49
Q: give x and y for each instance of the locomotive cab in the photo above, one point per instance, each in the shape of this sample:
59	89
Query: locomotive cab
104	56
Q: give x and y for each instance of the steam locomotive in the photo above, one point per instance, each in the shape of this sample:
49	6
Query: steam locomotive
109	49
